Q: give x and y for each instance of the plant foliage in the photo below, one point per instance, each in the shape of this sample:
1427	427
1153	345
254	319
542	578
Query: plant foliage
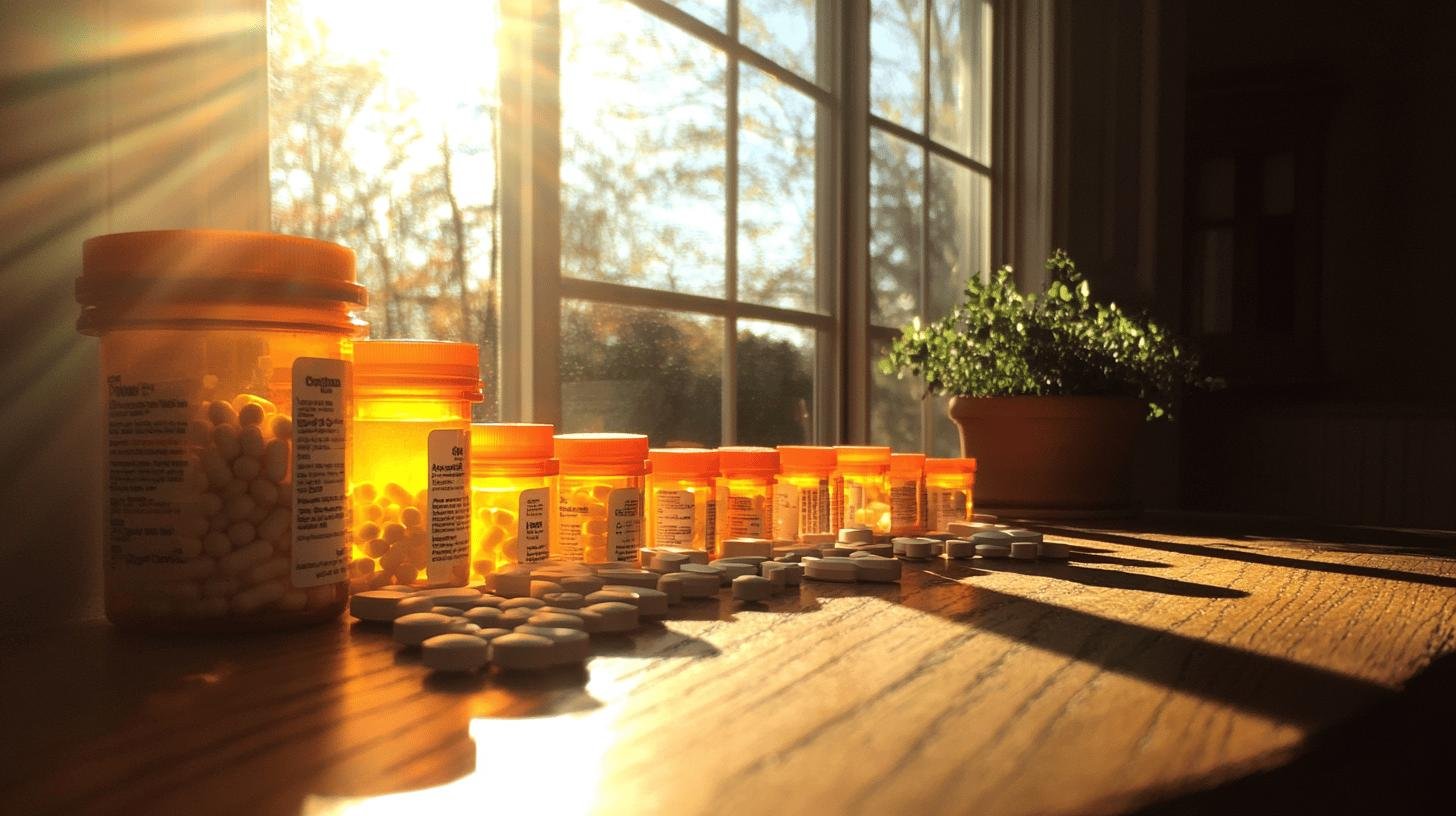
1000	342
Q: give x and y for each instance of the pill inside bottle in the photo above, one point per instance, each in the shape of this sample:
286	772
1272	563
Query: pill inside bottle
682	501
513	496
600	509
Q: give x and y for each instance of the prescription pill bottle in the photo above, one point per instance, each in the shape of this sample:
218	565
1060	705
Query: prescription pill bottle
682	501
802	501
599	509
226	390
745	492
907	493
948	490
411	480
861	487
513	495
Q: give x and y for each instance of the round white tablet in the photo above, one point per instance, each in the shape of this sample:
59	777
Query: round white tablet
555	619
522	603
512	585
565	600
543	588
460	597
918	548
793	573
582	584
491	634
376	605
752	588
733	569
484	616
650	603
877	568
671	586
1023	549
511	618
667	561
959	548
414	603
853	535
416	627
821	569
571	645
518	651
629	577
452	611
489	600
746	546
991	537
454	652
613	617
993	550
1018	534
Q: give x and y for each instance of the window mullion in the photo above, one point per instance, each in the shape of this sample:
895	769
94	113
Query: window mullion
854	298
729	411
926	9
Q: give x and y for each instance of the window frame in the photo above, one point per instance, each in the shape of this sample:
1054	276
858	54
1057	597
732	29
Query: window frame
532	286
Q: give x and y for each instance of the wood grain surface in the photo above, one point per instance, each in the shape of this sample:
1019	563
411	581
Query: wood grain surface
1149	665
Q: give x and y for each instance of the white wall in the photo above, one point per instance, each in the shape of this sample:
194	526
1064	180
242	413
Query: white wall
114	115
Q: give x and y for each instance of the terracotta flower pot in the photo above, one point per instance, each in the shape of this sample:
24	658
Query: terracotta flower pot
1051	457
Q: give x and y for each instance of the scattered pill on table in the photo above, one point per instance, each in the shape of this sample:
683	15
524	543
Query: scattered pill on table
856	535
959	548
747	546
752	588
518	651
918	549
377	605
1053	549
416	627
993	550
455	652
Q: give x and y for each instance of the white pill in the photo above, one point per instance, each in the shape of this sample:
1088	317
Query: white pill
415	603
877	568
409	590
582	584
793	573
517	651
451	611
712	570
556	619
993	550
885	549
276	567
778	580
570	645
1053	549
611	617
417	627
511	585
246	557
667	561
793	551
835	552
511	618
966	529
897	544
241	532
650	603
217	545
698	584
252	442
986	518
991	537
565	600
752	588
521	603
856	535
959	548
454	652
485	617
598	566
1018	534
747	546
225	439
488	635
821	569
255	598
542	588
462	597
733	569
671	585
246	468
1025	550
693	556
629	577
918	548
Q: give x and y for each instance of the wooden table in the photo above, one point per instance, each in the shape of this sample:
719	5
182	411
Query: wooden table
1149	665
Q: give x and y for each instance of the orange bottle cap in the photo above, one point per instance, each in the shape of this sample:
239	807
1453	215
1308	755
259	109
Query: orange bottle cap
907	462
959	465
418	364
512	447
126	276
807	457
608	453
684	462
863	455
748	461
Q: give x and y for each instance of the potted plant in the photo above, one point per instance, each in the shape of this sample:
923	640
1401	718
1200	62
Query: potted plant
1048	390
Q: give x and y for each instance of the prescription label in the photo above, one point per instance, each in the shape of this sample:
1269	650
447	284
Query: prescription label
905	504
710	526
624	523
533	530
319	467
853	494
149	475
800	509
448	512
744	517
672	518
945	506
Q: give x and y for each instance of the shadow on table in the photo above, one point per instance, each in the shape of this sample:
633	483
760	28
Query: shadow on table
1111	579
1251	556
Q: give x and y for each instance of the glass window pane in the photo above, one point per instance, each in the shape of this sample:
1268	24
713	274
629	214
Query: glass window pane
894	405
638	370
896	198
776	261
643	151
897	61
775	383
383	138
960	74
945	440
782	30
958	243
712	12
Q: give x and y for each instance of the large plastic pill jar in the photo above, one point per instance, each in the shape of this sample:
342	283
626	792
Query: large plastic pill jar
682	499
226	390
513	496
861	487
745	492
907	493
802	503
599	509
949	485
411	477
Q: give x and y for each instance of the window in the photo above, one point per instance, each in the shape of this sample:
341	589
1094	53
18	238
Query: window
694	287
